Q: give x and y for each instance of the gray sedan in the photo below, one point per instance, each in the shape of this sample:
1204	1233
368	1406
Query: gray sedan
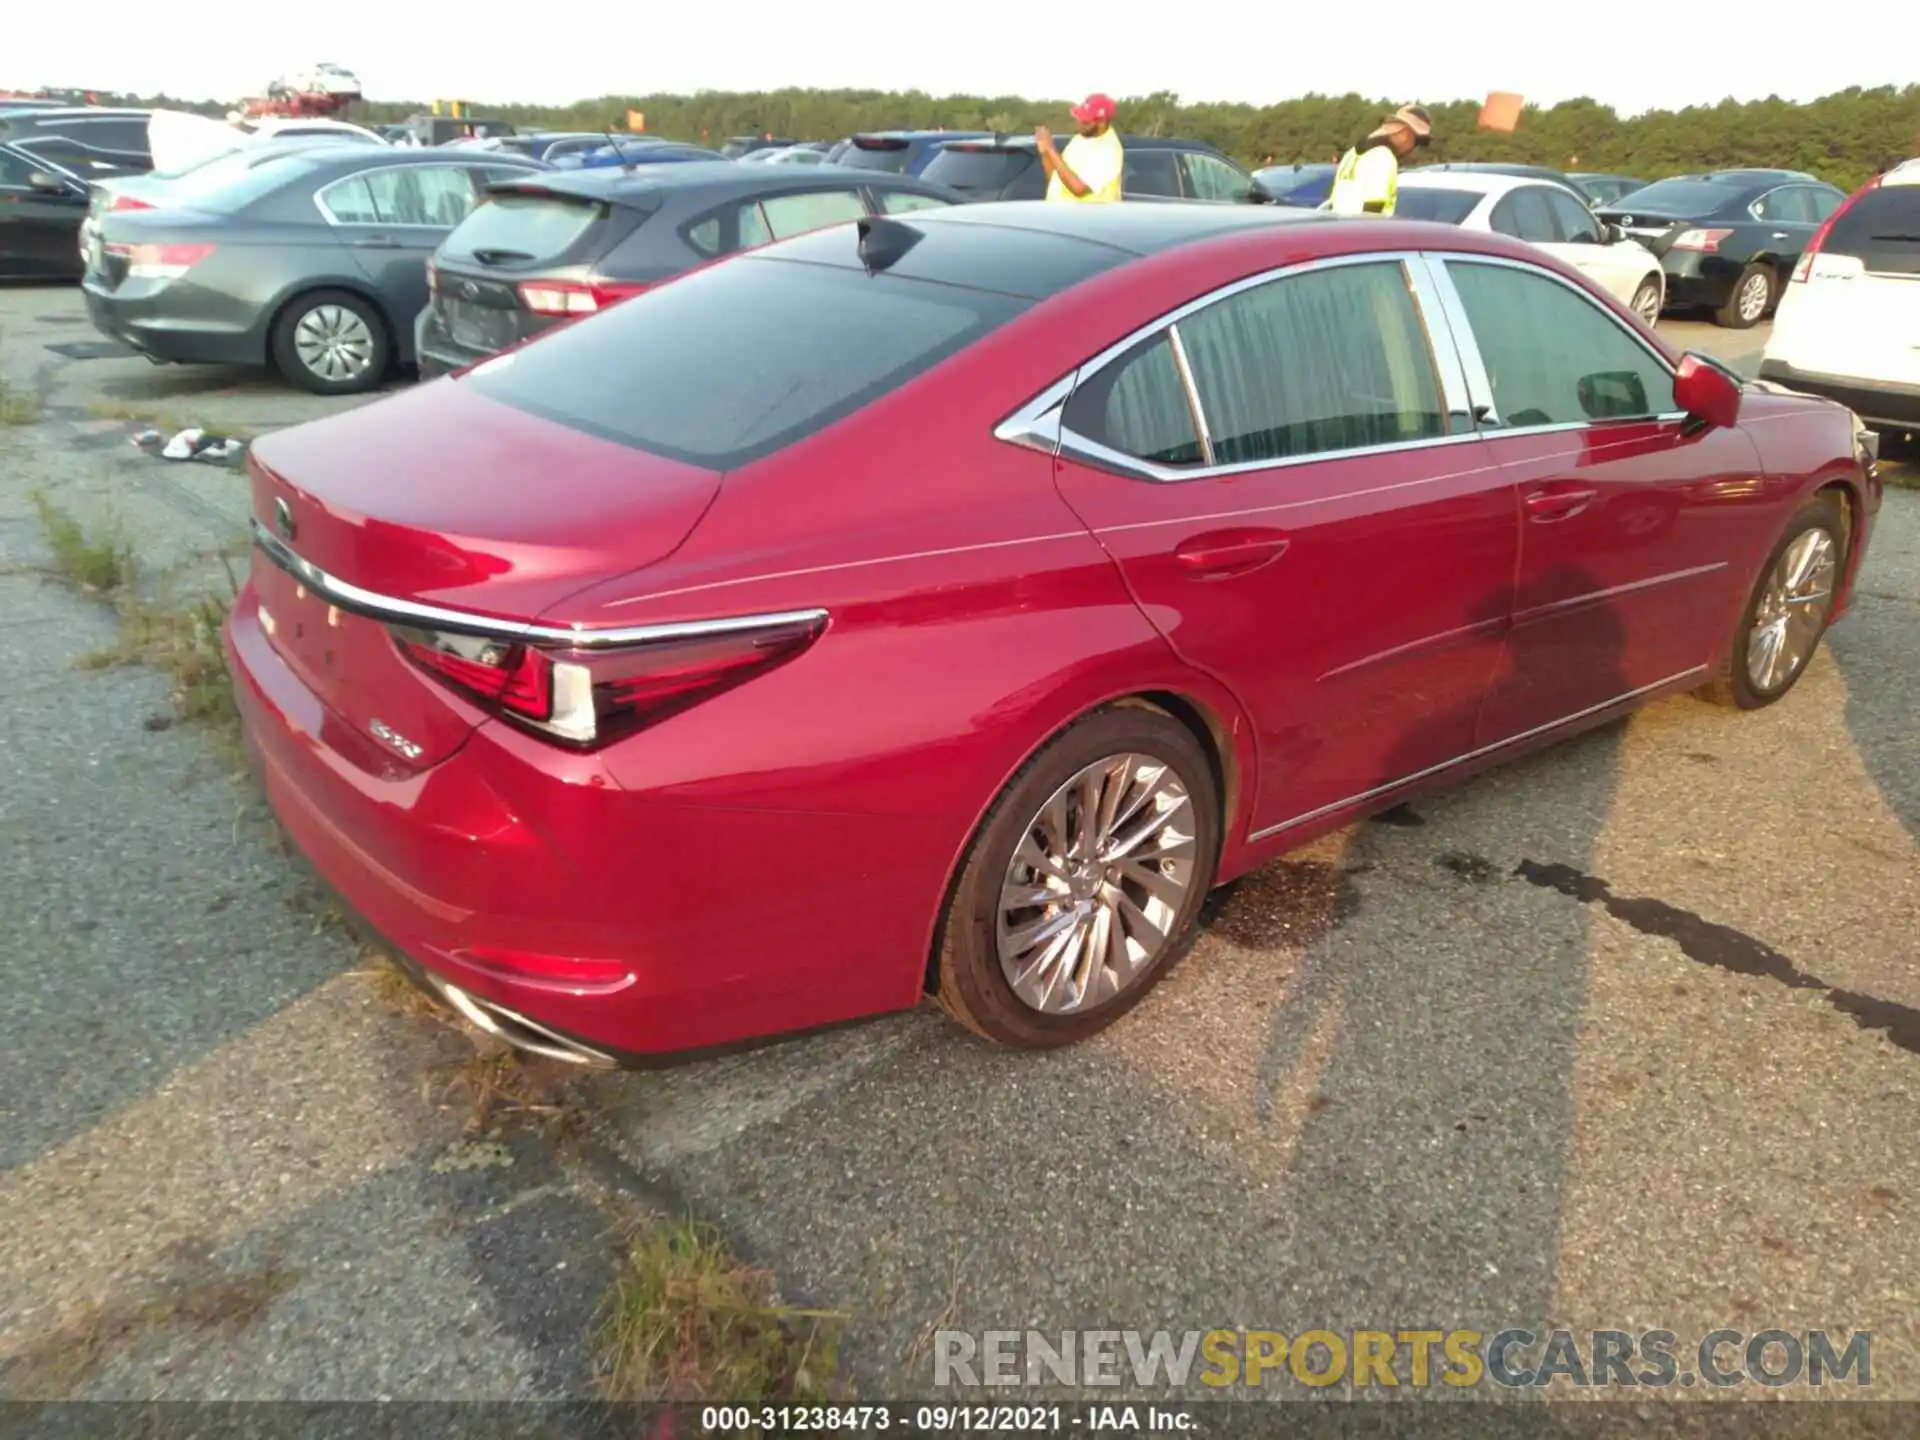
312	261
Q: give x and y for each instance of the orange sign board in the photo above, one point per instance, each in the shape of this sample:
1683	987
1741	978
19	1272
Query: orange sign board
1501	112
636	120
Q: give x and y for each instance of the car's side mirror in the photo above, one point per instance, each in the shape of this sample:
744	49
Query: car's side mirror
1707	391
1611	234
47	183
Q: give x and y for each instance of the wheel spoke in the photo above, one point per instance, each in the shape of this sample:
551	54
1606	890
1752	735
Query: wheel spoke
1153	880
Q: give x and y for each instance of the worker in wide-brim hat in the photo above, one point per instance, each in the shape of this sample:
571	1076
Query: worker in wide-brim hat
1367	181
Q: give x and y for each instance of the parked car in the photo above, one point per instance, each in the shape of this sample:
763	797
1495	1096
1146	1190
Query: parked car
549	248
788	155
1543	214
87	142
900	152
746	144
1158	167
1543	173
1848	326
927	569
445	129
311	261
659	152
1727	238
1302	185
549	145
1602	189
42	207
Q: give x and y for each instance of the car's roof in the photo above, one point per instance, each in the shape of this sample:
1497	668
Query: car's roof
1141	229
1130	142
917	134
718	177
1477	182
1601	175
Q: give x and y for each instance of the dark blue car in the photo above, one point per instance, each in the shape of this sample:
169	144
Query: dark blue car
628	153
898	152
1306	186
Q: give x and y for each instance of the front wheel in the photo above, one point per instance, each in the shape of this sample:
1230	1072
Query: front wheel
1646	300
1787	612
1084	883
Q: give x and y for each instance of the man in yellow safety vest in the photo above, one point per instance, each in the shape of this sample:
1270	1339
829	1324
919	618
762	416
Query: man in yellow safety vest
1090	167
1368	180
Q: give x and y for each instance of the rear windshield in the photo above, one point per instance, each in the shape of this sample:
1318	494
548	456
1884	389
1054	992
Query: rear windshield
1683	199
1881	229
966	169
524	229
887	155
1449	207
732	363
236	180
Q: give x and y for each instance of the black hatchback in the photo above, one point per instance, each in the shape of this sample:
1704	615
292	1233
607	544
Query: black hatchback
555	247
1157	167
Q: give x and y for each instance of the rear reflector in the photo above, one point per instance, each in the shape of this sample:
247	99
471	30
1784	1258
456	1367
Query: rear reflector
586	698
159	262
129	202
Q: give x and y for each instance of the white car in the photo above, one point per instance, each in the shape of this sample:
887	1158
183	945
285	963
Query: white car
1848	326
322	78
1543	214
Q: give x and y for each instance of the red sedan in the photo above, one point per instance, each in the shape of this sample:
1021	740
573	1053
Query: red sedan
942	604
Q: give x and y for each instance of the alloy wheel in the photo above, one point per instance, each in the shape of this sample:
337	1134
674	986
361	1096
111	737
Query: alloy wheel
1646	303
1096	884
334	343
1792	613
1753	297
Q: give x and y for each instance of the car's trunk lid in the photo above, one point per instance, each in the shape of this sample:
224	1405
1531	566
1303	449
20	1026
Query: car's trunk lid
443	499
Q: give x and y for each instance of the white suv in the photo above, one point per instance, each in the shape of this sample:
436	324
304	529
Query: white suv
1848	327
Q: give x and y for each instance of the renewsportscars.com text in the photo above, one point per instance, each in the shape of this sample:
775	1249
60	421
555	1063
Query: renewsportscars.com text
1403	1358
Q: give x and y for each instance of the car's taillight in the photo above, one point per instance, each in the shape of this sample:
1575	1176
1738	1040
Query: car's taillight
1704	240
570	297
129	202
588	697
159	262
1803	269
433	278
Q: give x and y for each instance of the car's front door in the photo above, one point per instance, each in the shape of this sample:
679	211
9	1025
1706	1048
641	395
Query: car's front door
1636	523
1211	178
1150	175
1582	243
37	225
1287	476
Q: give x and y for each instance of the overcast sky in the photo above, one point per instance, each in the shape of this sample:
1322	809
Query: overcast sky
1634	58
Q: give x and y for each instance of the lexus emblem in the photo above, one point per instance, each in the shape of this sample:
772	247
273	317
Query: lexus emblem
283	519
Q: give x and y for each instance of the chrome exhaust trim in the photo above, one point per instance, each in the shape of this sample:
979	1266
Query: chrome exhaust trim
517	1030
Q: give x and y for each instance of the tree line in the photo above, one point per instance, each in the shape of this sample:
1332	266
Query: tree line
1843	138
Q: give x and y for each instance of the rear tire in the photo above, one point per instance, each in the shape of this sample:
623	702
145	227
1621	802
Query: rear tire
1751	299
332	342
1750	675
1106	906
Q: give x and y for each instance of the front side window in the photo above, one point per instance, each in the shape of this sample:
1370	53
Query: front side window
1214	179
1138	406
1573	221
1332	359
1552	356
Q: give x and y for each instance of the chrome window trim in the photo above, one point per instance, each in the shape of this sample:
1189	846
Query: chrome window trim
1037	424
375	606
1478	382
469	166
1194	408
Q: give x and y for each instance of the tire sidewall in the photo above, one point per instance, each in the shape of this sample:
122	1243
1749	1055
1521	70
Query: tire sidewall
1652	283
287	359
970	953
1823	513
1734	319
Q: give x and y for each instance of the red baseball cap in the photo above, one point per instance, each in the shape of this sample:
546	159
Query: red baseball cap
1096	109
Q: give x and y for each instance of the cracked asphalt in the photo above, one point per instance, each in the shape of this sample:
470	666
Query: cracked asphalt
1624	1035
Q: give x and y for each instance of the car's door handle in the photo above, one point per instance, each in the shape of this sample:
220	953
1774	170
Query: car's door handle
1780	235
375	242
1559	503
1221	553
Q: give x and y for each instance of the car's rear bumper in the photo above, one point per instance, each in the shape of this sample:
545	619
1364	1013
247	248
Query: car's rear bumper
641	926
1876	402
159	327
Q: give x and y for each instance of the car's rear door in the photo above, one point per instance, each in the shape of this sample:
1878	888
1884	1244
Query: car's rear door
391	218
1638	528
1859	314
1287	475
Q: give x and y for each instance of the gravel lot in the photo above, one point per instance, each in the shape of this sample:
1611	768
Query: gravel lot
1524	1054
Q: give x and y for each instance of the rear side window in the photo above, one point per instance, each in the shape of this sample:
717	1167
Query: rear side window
1151	172
968	169
430	195
899	202
1552	356
1138	406
526	228
1333	359
734	362
1881	229
1445	207
790	215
